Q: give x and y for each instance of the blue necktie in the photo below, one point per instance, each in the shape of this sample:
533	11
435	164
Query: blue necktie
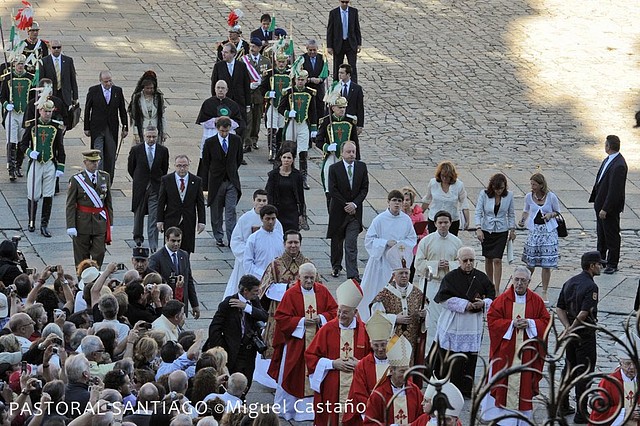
225	147
175	263
313	63
345	25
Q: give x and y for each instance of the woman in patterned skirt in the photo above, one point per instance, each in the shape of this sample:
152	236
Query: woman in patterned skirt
541	207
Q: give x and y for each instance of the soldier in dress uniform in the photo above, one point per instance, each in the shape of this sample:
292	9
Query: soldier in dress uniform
298	104
89	210
43	139
258	66
273	87
235	38
35	48
333	131
14	96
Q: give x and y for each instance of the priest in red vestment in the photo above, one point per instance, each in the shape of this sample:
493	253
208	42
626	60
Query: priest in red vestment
333	355
395	400
515	316
625	377
372	368
305	307
452	415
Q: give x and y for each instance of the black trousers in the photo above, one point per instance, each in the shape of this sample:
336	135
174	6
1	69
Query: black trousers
608	230
581	353
352	58
463	369
347	237
245	363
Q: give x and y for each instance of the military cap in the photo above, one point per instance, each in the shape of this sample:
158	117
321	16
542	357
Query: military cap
91	155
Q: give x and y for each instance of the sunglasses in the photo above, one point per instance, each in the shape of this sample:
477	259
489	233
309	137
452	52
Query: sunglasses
56	47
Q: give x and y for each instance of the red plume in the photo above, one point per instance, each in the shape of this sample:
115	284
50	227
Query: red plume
234	16
24	17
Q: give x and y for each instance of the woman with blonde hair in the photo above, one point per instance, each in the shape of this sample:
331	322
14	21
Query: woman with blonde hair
446	192
144	351
539	216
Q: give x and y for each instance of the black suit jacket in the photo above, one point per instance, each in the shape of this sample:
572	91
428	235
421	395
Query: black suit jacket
314	72
355	107
216	166
334	30
143	176
239	83
226	326
161	263
99	116
341	193
258	33
172	211
69	92
608	194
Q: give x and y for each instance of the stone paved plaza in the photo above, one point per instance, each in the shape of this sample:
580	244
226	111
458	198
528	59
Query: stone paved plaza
494	85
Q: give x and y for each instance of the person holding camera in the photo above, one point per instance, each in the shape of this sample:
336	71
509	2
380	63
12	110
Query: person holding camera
235	327
171	321
9	262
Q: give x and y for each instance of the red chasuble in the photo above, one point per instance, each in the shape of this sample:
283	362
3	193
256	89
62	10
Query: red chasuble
290	310
502	351
364	380
379	399
326	344
629	399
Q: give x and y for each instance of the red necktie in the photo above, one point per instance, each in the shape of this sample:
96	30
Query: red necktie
181	184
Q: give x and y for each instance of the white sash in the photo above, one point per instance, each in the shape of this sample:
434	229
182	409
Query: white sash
93	195
255	76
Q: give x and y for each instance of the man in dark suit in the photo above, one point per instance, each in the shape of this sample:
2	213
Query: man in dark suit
344	37
234	325
348	187
235	73
221	159
147	163
263	32
104	103
172	263
181	203
313	63
61	71
607	197
354	95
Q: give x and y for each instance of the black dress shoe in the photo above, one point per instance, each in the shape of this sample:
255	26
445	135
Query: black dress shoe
305	185
44	231
12	175
243	162
19	172
246	149
254	146
31	228
609	270
580	420
219	243
335	273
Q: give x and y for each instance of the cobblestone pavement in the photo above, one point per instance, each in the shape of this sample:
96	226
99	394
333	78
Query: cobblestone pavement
494	85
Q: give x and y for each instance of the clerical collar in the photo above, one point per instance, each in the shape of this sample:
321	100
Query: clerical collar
520	299
350	327
305	291
380	361
396	390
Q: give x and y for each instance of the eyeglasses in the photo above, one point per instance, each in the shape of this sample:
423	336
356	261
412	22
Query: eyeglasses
344	2
467	260
520	280
56	47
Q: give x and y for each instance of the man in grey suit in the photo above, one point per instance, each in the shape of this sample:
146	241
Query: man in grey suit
61	71
348	187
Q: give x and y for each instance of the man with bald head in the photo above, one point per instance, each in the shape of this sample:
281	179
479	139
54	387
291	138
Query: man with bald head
219	105
465	294
148	397
62	72
22	326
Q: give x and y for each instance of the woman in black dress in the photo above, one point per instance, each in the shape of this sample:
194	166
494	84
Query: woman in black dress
285	191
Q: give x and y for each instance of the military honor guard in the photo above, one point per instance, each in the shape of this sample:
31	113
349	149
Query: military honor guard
235	36
14	97
333	131
46	153
298	105
273	88
89	210
35	48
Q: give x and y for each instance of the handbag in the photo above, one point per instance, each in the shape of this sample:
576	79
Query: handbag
74	113
562	226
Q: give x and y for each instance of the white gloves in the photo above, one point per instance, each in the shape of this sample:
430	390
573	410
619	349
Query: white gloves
313	134
292	114
9	107
59	173
332	148
254	85
34	155
272	94
72	232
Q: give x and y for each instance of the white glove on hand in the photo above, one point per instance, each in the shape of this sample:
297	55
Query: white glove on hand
332	148
254	85
292	114
313	134
34	155
72	232
272	94
59	173
9	107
